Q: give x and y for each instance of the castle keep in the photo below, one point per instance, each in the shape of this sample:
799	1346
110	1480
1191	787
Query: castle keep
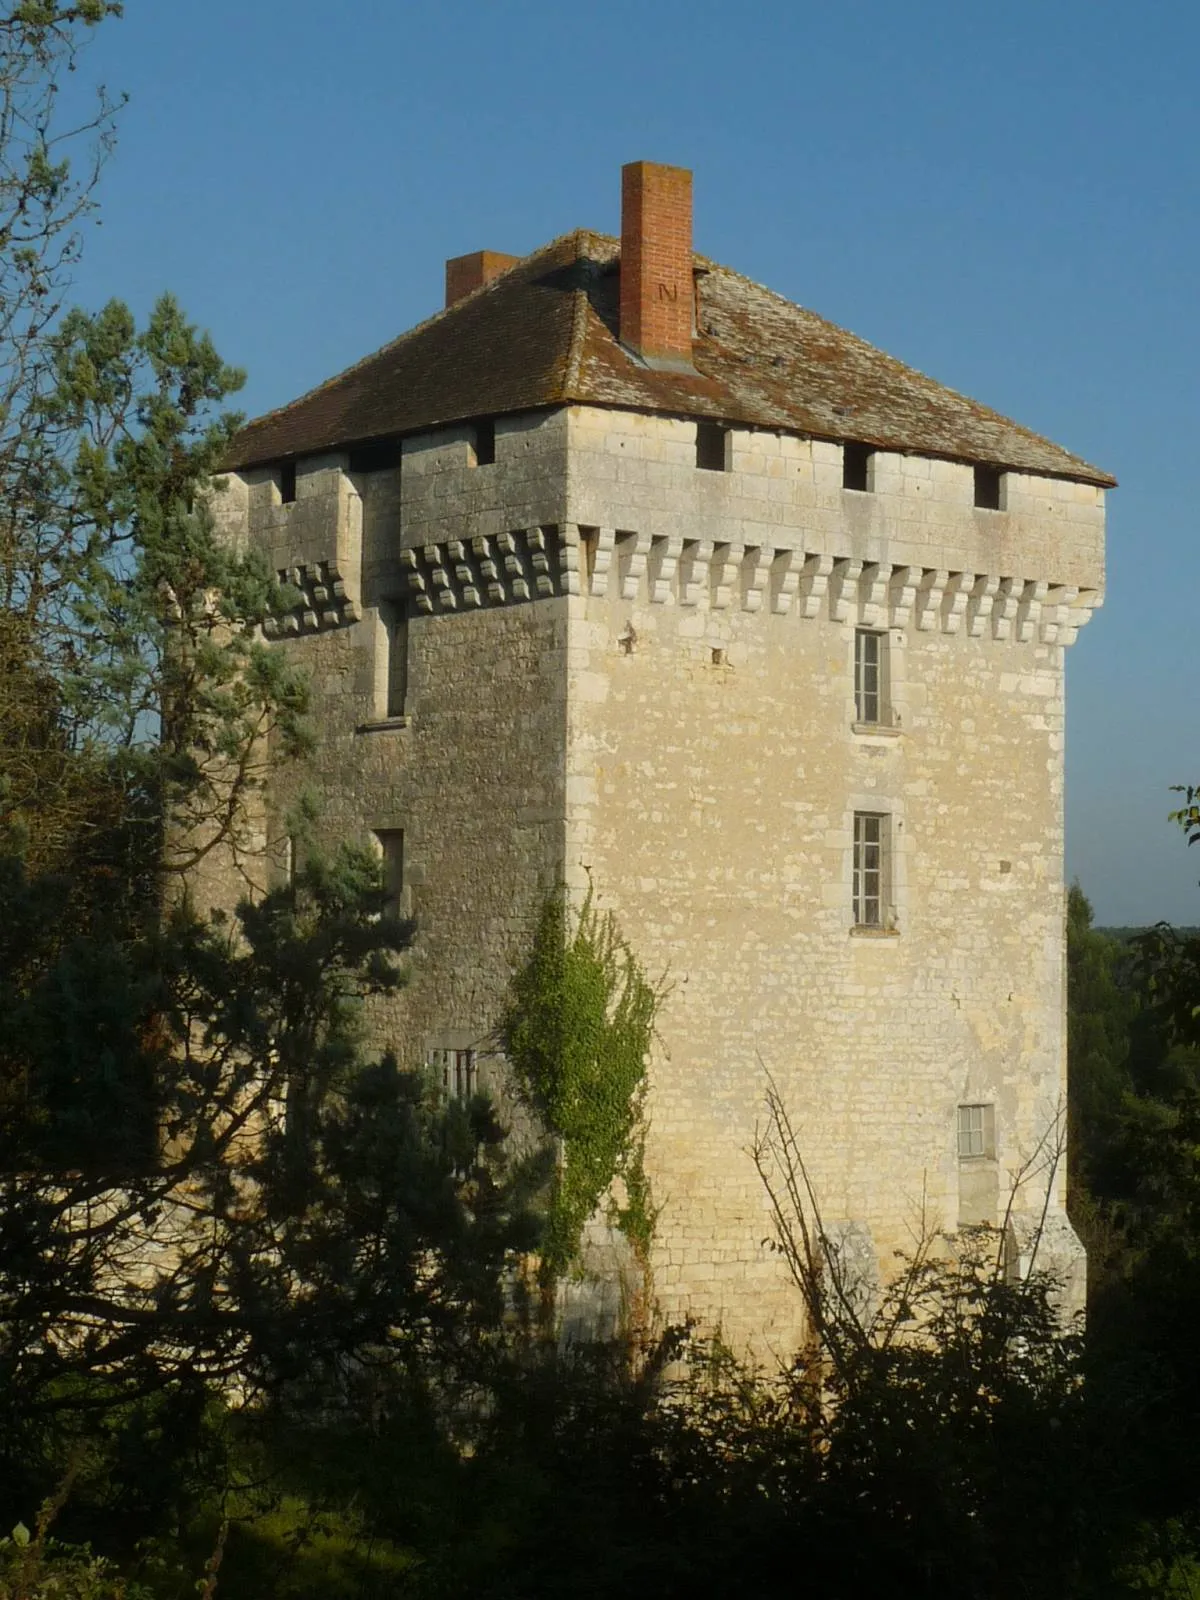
623	569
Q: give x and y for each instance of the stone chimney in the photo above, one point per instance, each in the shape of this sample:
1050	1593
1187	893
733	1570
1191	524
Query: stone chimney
465	273
657	292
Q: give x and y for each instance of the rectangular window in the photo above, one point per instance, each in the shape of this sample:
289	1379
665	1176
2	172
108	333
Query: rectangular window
456	1071
287	482
391	851
712	447
870	676
871	869
380	455
976	1133
395	636
856	462
485	443
987	488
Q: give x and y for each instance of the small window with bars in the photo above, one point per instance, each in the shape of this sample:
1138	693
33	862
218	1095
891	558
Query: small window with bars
976	1133
457	1072
871	887
870	676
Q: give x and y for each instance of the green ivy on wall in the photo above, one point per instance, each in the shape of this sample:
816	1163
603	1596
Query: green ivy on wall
577	1035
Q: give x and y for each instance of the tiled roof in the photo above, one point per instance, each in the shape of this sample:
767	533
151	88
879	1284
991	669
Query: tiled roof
545	334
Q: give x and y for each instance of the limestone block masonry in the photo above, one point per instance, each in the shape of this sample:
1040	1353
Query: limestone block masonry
626	670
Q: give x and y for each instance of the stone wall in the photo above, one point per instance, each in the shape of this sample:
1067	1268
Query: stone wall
624	667
712	777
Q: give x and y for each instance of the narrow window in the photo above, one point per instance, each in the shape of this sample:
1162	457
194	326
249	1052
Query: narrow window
291	860
485	443
287	482
856	459
870	868
976	1133
391	851
712	447
457	1071
870	676
987	488
395	643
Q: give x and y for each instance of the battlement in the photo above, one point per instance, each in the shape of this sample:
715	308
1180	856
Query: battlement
773	531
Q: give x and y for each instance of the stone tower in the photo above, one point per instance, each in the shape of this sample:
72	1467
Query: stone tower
623	568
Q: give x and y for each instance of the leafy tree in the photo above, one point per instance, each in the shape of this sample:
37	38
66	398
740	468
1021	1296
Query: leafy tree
578	1032
207	1184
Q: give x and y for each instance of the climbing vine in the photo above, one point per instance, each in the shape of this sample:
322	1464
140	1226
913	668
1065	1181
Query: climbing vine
577	1034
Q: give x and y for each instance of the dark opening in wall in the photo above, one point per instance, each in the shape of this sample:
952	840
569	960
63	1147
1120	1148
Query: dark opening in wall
712	447
987	488
287	482
589	544
485	443
377	456
855	462
391	851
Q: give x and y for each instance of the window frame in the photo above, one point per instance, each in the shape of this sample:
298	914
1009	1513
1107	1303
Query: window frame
881	669
871	884
457	1069
971	1129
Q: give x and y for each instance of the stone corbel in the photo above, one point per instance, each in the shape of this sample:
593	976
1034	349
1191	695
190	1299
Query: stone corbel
902	592
872	595
755	571
1056	612
468	589
695	562
843	588
631	583
540	552
606	543
570	550
1087	603
667	552
929	597
979	606
1029	609
785	580
1004	607
814	584
954	603
726	562
514	566
489	570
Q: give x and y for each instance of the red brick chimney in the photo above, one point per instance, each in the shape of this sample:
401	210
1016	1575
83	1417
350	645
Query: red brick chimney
656	263
465	273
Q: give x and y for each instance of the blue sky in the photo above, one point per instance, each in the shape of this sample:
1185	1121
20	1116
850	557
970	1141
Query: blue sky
1005	197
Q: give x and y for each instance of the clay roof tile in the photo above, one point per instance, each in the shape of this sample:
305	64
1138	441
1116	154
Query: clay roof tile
544	333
